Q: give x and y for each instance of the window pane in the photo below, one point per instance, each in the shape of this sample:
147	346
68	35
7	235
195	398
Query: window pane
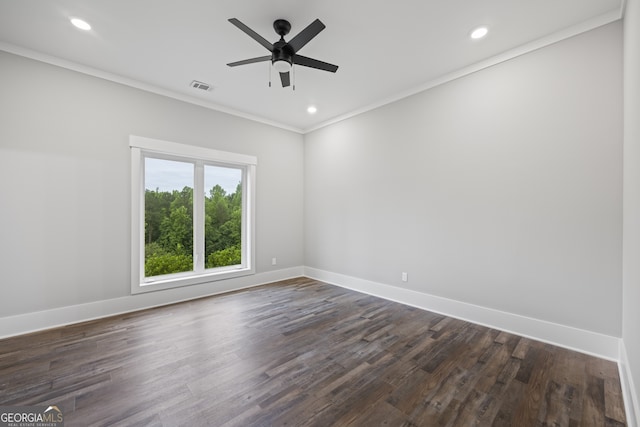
168	217
223	216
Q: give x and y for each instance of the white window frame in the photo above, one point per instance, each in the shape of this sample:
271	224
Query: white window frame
142	147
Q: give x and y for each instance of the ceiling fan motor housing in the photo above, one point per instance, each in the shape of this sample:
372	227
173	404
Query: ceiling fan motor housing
282	52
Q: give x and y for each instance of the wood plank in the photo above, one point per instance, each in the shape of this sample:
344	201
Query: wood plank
613	401
527	412
555	409
593	408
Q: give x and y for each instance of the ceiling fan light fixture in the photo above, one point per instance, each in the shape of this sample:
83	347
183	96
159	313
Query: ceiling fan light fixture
282	66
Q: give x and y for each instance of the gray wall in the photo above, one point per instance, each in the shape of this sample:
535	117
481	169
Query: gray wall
501	189
631	265
65	182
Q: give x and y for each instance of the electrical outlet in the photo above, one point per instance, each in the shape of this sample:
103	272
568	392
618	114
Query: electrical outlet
405	277
274	261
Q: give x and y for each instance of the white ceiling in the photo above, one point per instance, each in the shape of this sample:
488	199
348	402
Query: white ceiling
385	49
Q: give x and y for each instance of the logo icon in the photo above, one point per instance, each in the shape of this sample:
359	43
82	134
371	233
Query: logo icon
31	416
53	408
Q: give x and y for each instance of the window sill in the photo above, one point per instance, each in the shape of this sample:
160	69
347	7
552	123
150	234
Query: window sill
178	280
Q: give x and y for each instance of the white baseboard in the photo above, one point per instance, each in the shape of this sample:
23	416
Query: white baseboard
592	343
631	398
40	320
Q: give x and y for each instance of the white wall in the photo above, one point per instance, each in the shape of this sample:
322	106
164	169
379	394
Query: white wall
631	260
65	185
501	189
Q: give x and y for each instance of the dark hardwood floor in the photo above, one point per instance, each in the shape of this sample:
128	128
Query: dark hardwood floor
303	353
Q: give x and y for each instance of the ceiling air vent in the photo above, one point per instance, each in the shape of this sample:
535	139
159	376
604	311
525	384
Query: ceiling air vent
200	85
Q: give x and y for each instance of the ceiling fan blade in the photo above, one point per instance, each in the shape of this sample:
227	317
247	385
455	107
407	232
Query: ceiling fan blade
314	63
257	37
250	61
306	35
284	78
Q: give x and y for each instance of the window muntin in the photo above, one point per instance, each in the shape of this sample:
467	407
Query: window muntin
192	216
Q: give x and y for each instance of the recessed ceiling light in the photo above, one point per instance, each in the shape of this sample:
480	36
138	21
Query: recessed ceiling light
479	32
311	109
80	23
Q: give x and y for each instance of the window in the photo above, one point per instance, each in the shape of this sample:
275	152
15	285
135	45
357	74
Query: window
192	214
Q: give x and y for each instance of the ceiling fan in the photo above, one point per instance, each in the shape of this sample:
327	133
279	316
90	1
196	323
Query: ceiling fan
285	54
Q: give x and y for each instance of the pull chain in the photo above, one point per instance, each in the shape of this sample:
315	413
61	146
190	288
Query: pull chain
294	77
269	74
